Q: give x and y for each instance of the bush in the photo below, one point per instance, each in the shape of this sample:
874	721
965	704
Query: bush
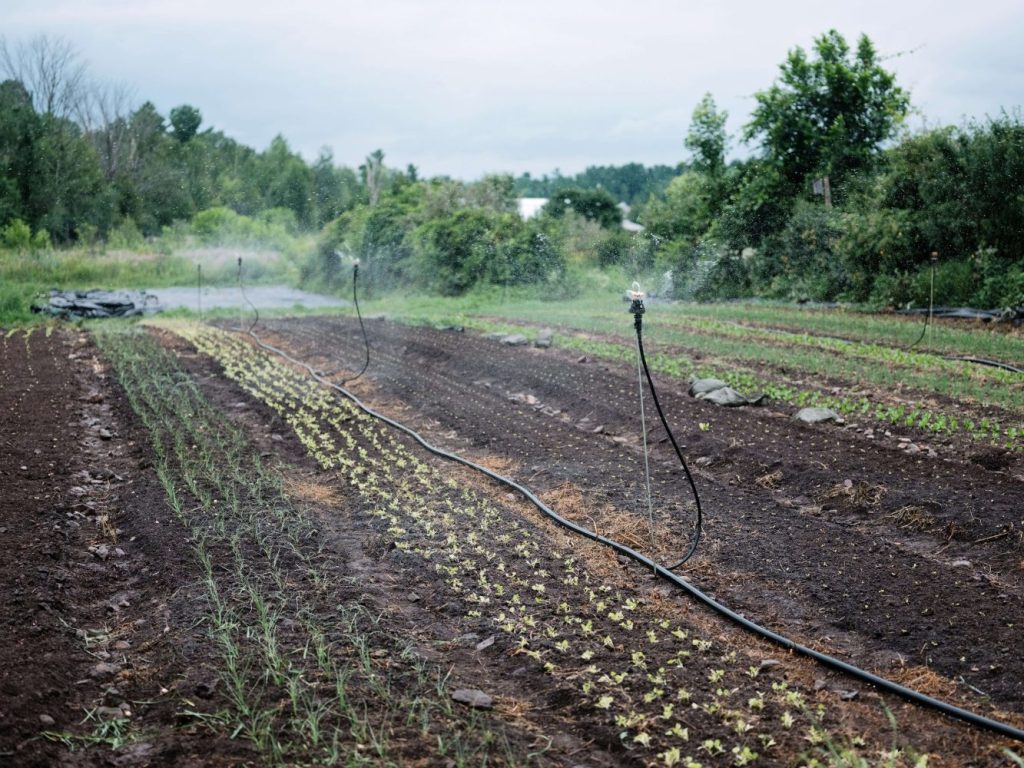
532	254
209	224
891	290
1002	284
955	284
454	252
17	235
613	250
41	241
593	204
126	236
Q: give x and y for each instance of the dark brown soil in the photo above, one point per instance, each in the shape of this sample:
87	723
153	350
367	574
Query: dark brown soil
99	641
912	568
848	544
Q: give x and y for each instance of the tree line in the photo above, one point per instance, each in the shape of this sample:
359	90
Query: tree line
839	201
836	200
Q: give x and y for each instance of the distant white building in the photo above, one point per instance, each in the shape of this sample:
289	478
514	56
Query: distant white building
530	206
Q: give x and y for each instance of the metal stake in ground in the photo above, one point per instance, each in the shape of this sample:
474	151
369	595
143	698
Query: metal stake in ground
240	294
637	308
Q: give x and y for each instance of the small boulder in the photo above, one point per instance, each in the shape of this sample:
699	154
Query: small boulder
515	340
818	415
473	698
545	337
729	397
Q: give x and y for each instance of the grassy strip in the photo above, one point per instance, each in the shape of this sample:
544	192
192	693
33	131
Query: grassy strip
601	309
310	676
675	697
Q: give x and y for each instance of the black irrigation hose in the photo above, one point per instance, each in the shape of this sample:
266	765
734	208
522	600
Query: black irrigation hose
638	314
924	330
661	571
366	341
991	363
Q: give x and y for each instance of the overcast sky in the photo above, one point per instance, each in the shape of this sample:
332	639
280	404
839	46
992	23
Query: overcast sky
467	87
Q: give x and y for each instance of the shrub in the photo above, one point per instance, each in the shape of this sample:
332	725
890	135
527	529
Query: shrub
126	235
16	235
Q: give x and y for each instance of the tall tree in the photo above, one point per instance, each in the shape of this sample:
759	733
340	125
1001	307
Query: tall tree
829	112
334	189
707	139
185	122
20	127
373	175
287	181
51	72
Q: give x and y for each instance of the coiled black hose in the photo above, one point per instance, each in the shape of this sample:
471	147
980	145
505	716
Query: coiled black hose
1004	729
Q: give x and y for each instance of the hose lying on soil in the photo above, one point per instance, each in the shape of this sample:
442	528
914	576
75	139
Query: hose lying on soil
662	572
991	363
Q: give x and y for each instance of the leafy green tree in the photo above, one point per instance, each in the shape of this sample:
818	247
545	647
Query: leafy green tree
185	122
495	191
455	251
150	186
593	204
335	189
828	113
286	180
20	127
707	139
685	212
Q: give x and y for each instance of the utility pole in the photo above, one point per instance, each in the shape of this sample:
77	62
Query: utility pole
822	187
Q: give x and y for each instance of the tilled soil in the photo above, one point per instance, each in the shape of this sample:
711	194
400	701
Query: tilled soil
895	562
911	568
98	606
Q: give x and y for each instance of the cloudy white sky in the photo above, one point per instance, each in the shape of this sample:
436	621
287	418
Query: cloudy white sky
466	87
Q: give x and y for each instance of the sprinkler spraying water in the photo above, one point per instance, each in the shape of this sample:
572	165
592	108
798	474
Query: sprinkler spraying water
245	298
637	309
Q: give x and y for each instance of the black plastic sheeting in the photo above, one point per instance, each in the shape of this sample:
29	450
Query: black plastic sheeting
1012	314
91	304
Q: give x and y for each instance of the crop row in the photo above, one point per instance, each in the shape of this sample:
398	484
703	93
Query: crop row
672	694
300	664
909	415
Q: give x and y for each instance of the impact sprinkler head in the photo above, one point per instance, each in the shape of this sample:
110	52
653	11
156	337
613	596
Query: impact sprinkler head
636	299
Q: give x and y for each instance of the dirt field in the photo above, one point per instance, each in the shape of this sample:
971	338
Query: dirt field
909	565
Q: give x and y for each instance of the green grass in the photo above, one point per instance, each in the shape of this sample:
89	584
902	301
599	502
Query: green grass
26	275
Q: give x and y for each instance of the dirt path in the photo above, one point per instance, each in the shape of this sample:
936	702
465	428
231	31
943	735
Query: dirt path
897	562
99	644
